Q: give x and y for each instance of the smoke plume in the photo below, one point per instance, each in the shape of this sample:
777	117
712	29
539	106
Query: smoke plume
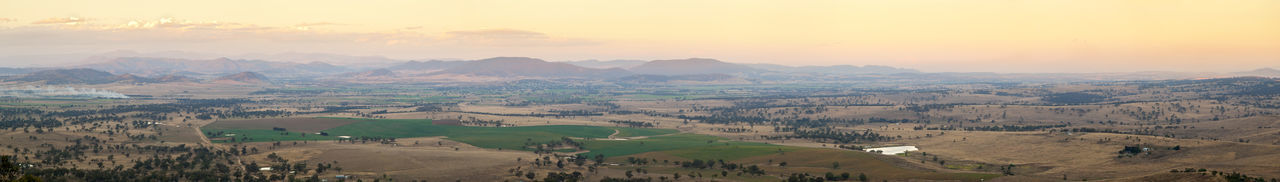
65	92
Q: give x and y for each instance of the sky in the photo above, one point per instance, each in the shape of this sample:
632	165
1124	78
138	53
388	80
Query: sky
1010	36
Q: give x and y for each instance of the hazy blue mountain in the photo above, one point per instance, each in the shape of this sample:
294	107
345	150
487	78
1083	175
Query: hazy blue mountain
242	77
1263	72
646	78
523	66
163	66
431	65
624	64
690	67
835	69
67	76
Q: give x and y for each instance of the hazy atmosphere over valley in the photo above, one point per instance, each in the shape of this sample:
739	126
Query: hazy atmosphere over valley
639	91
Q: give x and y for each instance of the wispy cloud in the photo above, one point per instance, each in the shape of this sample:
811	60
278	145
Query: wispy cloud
511	37
179	24
308	26
5	20
66	20
316	24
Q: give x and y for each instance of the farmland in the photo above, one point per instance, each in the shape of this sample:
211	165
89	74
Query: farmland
487	137
594	142
751	132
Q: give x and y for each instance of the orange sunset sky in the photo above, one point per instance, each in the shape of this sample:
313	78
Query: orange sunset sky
929	35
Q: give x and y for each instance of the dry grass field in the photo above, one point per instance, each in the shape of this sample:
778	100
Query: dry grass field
424	161
1082	156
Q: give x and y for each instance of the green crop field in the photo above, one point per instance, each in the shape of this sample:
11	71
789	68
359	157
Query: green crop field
259	135
487	137
686	147
633	132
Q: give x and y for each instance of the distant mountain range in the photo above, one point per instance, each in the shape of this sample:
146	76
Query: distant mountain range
432	65
1264	72
691	66
67	76
715	77
837	69
353	62
91	76
529	67
120	67
242	78
287	57
164	66
18	71
130	78
371	74
175	78
624	64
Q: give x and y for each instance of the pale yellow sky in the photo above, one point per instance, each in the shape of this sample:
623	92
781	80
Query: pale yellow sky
932	35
